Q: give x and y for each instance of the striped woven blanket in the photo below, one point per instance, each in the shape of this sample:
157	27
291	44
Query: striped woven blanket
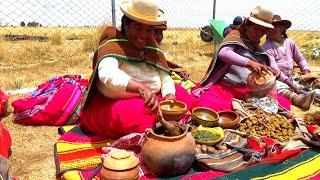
304	166
78	157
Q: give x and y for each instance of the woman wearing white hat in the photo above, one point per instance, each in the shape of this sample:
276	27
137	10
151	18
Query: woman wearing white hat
130	76
285	52
238	55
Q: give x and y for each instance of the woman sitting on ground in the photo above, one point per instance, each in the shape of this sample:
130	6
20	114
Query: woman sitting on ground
238	55
130	77
285	52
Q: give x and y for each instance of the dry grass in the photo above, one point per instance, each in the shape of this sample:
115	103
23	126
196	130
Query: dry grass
29	63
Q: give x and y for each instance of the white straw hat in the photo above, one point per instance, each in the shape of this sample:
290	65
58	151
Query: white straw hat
261	16
143	11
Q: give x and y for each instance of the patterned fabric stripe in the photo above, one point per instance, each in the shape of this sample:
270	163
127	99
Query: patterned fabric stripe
75	115
153	48
299	170
74	175
86	163
31	112
229	165
314	176
136	60
65	147
80	154
70	105
125	40
261	170
111	40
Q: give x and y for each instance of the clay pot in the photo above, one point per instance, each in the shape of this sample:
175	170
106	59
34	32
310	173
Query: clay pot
261	84
173	111
228	119
120	165
168	156
205	116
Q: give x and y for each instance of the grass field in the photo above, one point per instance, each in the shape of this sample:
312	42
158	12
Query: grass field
29	63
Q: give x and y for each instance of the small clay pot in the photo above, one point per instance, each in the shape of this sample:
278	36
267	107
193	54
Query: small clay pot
262	84
205	116
173	111
228	119
120	165
168	156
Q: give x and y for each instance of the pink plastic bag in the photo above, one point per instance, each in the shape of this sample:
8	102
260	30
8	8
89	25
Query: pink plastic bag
3	104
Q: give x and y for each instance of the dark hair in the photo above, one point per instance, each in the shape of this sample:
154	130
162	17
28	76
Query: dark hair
125	21
246	23
284	34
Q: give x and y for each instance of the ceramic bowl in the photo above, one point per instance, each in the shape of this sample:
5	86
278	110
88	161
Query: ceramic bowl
228	119
173	111
217	138
205	116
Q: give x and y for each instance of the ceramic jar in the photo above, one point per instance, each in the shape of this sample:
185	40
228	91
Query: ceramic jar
120	165
261	84
168	156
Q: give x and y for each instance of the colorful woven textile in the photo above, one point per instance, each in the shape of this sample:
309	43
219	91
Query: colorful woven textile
77	155
304	166
54	102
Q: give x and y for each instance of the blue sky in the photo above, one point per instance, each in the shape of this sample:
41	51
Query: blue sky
304	14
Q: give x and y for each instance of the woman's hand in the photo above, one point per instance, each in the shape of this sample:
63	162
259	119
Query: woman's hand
150	99
293	86
257	67
184	75
306	72
276	72
170	97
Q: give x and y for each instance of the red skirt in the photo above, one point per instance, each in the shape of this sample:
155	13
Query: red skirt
5	142
116	118
219	97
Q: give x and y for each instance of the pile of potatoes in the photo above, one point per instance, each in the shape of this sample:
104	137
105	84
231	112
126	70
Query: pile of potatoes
211	149
267	124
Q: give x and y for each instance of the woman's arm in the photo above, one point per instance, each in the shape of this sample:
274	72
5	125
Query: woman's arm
298	57
113	77
227	55
119	81
168	89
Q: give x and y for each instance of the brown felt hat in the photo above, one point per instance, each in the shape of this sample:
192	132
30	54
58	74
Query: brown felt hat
277	21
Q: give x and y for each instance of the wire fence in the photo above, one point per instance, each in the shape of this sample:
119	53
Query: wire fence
43	31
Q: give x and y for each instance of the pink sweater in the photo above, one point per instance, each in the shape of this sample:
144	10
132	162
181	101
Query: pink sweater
285	60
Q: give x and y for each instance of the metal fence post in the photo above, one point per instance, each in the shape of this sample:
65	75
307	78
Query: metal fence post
214	10
113	10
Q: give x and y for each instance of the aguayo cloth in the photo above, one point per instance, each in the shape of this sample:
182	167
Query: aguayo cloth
77	155
55	102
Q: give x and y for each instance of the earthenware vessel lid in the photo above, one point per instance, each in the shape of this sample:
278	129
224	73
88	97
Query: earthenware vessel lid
120	160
